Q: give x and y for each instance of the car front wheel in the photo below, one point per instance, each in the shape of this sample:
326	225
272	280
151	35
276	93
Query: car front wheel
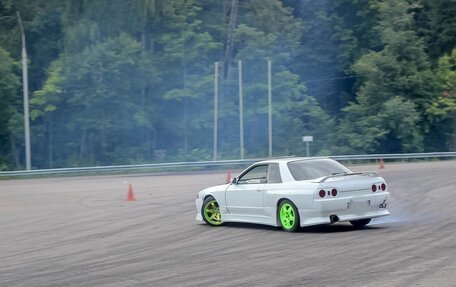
211	212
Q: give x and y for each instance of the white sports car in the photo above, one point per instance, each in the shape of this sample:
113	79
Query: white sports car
294	192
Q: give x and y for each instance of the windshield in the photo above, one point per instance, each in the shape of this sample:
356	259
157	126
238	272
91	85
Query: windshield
310	169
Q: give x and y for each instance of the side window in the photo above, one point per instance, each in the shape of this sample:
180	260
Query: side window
257	174
274	173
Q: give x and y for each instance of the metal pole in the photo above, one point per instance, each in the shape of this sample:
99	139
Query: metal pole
307	149
26	97
241	111
270	107
215	108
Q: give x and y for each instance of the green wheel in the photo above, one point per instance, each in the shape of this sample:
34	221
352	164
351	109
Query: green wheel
211	212
361	223
288	216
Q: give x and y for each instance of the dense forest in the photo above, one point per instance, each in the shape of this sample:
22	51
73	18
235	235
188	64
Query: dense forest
122	82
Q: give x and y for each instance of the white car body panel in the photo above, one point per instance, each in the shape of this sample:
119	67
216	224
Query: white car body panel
245	199
258	202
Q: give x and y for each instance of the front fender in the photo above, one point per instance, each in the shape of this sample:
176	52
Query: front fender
218	192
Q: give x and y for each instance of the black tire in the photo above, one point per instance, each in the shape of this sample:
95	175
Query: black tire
210	211
290	208
360	223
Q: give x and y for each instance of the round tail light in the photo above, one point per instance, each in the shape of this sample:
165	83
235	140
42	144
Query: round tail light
334	192
383	186
374	188
322	193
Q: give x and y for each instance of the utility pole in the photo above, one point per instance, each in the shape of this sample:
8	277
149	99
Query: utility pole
215	108
241	111
270	107
26	97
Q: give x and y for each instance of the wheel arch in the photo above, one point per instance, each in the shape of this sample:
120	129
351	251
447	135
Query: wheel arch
217	194
208	195
285	198
280	201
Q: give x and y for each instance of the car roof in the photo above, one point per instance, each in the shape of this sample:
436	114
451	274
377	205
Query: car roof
288	159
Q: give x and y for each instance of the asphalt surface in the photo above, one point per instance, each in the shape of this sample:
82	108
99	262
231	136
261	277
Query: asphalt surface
80	231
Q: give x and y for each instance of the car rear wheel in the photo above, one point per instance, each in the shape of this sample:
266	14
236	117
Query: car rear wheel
211	212
288	216
360	223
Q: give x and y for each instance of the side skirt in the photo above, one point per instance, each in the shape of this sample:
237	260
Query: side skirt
249	219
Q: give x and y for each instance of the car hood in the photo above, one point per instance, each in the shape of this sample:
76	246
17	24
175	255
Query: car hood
221	187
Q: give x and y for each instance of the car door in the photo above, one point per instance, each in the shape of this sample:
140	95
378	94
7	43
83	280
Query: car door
245	197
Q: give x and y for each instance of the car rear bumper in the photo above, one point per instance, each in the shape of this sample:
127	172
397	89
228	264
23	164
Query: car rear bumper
346	208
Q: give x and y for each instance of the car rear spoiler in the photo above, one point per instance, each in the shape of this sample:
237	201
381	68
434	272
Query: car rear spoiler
367	173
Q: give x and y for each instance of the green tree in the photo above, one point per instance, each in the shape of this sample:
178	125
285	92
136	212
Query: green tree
118	81
436	23
99	94
296	114
399	73
11	122
442	111
43	104
335	34
189	49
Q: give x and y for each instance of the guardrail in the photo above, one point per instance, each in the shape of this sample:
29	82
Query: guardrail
207	164
395	156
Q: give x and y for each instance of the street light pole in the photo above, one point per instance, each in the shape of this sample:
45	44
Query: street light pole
26	97
241	111
270	107
216	76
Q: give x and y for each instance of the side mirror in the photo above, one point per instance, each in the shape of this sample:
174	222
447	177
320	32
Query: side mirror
234	180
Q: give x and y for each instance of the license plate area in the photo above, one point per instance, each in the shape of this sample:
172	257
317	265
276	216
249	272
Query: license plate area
358	204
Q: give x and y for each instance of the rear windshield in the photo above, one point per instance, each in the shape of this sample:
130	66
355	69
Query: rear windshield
310	169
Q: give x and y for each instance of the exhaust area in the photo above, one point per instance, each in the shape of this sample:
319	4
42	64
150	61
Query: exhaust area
333	218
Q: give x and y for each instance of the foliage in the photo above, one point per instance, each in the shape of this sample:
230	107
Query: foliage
10	117
443	108
122	82
396	86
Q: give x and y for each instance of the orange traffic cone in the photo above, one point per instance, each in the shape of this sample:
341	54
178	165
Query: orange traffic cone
130	195
382	164
228	177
